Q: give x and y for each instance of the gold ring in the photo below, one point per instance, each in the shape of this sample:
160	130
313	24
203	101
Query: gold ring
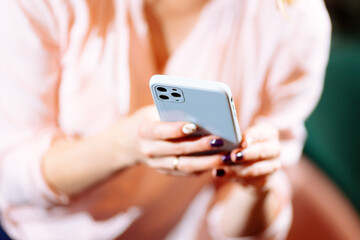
176	163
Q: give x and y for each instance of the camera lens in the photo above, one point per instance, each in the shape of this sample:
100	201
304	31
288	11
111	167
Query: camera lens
164	97
175	94
161	89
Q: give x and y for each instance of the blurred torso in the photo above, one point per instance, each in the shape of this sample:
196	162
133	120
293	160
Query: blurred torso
160	197
107	52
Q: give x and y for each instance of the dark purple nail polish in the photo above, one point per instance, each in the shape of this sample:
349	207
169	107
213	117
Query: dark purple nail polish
226	159
217	142
239	156
220	172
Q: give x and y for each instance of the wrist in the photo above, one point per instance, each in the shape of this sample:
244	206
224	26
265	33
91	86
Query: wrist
244	211
120	141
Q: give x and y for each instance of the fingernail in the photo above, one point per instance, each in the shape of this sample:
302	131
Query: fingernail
189	128
216	142
226	159
219	172
239	156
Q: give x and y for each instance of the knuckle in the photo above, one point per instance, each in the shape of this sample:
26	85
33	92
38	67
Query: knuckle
141	131
179	149
277	164
263	155
277	154
277	149
177	130
214	162
174	133
146	129
204	144
188	168
249	133
146	151
158	130
170	130
253	172
162	171
150	163
137	139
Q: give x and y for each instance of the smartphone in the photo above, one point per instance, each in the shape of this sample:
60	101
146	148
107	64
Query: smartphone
208	104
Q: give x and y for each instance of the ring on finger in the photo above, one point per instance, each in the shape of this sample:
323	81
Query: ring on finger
176	163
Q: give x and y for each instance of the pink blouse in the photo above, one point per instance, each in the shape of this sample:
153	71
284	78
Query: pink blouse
64	70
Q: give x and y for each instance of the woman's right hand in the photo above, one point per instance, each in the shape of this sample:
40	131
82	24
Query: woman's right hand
166	146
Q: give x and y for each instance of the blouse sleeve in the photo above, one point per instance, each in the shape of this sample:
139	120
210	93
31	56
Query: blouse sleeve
295	75
29	81
293	86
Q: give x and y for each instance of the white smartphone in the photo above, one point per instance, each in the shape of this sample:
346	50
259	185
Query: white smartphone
208	104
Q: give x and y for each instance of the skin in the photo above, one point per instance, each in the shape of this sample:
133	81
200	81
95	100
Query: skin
141	138
150	141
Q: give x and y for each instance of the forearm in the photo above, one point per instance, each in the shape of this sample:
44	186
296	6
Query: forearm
247	211
251	212
73	165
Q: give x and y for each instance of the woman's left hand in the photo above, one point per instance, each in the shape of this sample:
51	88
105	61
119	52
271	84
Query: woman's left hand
255	159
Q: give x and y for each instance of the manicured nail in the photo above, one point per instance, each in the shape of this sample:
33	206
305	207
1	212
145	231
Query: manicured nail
226	159
239	156
189	128
216	142
219	172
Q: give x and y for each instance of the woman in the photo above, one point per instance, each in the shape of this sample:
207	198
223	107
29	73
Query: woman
81	150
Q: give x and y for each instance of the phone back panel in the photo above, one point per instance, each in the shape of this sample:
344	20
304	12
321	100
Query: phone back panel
210	107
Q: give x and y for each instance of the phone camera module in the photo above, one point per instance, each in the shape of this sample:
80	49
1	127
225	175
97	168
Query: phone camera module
164	97
161	89
169	94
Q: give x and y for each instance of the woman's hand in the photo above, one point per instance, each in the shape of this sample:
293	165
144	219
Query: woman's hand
249	210
255	159
168	146
140	137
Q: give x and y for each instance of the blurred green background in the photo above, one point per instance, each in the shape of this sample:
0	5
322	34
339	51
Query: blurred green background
333	142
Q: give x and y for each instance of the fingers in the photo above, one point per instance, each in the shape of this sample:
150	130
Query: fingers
257	151
166	130
257	157
253	170
260	142
185	164
259	133
185	147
